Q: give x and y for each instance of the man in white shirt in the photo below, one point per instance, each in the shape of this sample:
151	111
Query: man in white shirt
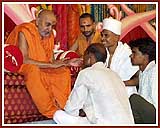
98	96
144	105
118	54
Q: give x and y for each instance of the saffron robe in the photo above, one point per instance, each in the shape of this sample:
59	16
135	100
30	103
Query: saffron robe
47	86
83	44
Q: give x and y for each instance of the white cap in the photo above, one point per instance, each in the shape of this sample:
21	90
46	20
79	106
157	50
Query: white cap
112	25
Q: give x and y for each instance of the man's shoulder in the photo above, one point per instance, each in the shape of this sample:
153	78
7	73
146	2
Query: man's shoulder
80	37
123	44
98	33
26	25
97	37
124	48
151	67
86	70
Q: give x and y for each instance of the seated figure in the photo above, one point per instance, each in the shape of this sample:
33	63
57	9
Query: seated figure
98	96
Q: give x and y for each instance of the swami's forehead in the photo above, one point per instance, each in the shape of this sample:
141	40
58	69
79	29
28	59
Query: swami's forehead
46	13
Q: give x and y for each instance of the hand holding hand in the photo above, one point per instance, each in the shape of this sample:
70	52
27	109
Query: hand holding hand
59	63
77	62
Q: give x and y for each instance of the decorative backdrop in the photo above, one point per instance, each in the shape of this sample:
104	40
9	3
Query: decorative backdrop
138	20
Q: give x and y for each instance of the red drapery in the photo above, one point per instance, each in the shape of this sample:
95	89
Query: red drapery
73	24
136	33
61	11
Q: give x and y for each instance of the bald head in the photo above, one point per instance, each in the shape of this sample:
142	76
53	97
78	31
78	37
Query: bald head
46	20
44	13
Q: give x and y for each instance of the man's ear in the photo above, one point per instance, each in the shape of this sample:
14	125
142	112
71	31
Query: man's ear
89	61
94	25
37	20
146	57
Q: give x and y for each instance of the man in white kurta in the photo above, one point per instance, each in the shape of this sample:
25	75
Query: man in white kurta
101	94
147	83
118	53
121	64
144	104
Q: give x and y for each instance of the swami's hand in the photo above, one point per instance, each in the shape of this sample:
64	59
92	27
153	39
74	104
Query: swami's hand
59	63
77	62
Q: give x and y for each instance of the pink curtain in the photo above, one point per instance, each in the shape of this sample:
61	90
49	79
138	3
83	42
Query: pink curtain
8	26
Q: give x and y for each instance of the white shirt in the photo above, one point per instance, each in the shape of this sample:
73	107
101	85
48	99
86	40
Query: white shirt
147	83
121	64
101	94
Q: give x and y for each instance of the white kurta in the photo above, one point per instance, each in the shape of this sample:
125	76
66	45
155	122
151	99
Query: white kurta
101	93
147	83
121	64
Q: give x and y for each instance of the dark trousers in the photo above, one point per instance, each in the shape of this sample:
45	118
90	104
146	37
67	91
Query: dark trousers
143	111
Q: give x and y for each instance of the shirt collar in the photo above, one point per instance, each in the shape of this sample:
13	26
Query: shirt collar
98	64
149	66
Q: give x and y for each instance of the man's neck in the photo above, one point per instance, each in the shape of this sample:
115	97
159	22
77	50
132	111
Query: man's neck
143	66
90	38
112	49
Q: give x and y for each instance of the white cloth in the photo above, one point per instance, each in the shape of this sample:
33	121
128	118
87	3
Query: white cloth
61	117
121	64
112	25
101	94
147	83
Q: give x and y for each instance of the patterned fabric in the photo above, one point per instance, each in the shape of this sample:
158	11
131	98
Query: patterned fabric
18	104
99	11
15	79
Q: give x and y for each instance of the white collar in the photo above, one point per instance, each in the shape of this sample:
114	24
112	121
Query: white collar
149	66
98	64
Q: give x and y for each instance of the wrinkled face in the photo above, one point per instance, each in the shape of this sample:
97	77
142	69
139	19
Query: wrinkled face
87	26
137	58
88	60
46	25
109	39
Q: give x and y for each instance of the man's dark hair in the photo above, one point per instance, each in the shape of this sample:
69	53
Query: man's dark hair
86	15
98	50
146	46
